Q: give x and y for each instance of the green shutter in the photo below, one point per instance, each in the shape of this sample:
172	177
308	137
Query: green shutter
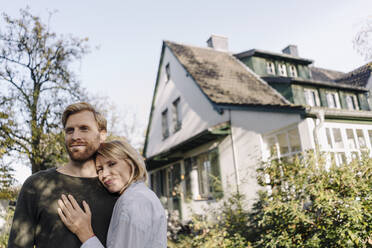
188	168
363	102
323	98
298	95
215	177
342	96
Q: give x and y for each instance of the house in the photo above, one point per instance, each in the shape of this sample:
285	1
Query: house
216	115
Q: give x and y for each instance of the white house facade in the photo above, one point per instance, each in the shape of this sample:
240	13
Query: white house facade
216	116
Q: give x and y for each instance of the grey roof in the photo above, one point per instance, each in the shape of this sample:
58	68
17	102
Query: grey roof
320	74
223	78
357	77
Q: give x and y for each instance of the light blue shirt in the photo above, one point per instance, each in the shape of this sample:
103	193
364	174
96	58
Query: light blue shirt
138	221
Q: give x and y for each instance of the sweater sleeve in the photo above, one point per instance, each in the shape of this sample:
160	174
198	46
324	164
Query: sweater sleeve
93	242
22	233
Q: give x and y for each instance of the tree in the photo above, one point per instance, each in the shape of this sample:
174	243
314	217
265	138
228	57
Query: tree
35	71
363	39
314	203
120	123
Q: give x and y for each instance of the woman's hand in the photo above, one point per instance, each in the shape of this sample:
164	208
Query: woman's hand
75	219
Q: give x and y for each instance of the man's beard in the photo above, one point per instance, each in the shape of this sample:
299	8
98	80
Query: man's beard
83	154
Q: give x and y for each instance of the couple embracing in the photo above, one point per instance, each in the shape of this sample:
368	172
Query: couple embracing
98	199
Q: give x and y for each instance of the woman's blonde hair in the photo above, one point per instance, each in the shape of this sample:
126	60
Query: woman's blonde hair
122	150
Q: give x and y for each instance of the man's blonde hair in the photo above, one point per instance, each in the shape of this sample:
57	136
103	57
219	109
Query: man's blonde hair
122	150
84	106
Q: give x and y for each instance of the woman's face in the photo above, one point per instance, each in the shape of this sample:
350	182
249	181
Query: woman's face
114	174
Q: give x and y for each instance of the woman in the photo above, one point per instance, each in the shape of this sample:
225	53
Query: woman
138	218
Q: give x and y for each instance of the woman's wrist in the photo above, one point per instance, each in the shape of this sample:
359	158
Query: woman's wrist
84	236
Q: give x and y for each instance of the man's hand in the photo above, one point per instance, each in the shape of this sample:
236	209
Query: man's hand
75	219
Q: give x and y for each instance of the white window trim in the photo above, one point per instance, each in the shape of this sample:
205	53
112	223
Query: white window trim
277	147
337	98
282	69
317	99
293	71
354	99
346	150
270	67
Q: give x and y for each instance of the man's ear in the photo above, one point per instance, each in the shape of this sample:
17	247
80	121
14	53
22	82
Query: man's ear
102	136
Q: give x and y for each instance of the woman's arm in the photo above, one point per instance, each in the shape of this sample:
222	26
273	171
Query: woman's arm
75	219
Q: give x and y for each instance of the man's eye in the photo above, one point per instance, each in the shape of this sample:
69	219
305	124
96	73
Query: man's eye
99	170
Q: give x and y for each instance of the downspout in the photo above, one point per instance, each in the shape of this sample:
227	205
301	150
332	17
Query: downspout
319	116
234	155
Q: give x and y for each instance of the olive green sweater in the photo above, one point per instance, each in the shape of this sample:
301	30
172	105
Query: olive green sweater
36	221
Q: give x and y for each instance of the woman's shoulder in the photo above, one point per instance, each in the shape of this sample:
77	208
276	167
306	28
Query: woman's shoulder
138	197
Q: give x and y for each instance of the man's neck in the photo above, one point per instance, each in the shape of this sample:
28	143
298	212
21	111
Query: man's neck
79	169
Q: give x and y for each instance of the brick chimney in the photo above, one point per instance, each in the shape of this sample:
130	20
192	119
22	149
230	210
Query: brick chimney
291	50
218	42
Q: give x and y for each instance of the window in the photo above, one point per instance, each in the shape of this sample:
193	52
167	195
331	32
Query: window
292	71
158	183
167	73
347	141
311	97
284	144
332	99
176	115
282	70
164	123
270	68
351	102
208	179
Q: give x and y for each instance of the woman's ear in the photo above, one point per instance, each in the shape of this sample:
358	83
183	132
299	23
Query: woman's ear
102	136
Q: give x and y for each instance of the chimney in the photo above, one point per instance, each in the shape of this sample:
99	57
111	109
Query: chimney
218	42
291	50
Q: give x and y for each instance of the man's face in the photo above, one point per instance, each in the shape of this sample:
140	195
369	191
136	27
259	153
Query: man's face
82	137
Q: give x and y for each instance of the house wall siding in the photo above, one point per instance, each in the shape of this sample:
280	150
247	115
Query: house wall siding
196	110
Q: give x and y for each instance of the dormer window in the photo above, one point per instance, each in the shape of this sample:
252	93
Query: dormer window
351	102
292	71
282	70
270	68
312	97
167	73
333	100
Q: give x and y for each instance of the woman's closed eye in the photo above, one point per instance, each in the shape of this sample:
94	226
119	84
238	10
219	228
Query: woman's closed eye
111	163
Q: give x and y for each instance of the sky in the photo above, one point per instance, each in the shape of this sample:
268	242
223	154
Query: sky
126	37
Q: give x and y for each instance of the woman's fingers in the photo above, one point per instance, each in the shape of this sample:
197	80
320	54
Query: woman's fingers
74	203
62	216
86	208
64	209
67	203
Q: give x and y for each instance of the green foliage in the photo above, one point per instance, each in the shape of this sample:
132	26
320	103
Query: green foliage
229	229
37	84
6	182
4	236
313	203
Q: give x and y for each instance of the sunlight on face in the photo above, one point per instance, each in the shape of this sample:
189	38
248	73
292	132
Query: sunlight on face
114	174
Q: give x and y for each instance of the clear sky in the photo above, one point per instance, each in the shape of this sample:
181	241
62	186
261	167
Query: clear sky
129	35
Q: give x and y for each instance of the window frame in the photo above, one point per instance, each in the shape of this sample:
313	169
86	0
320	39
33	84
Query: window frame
354	100
307	92
335	96
176	115
270	68
293	71
282	70
164	123
167	72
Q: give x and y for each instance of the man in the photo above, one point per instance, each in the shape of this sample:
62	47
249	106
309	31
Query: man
36	222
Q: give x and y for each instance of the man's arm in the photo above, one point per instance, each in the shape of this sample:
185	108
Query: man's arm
22	233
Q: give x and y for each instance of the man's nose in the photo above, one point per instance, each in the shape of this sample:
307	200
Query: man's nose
76	135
